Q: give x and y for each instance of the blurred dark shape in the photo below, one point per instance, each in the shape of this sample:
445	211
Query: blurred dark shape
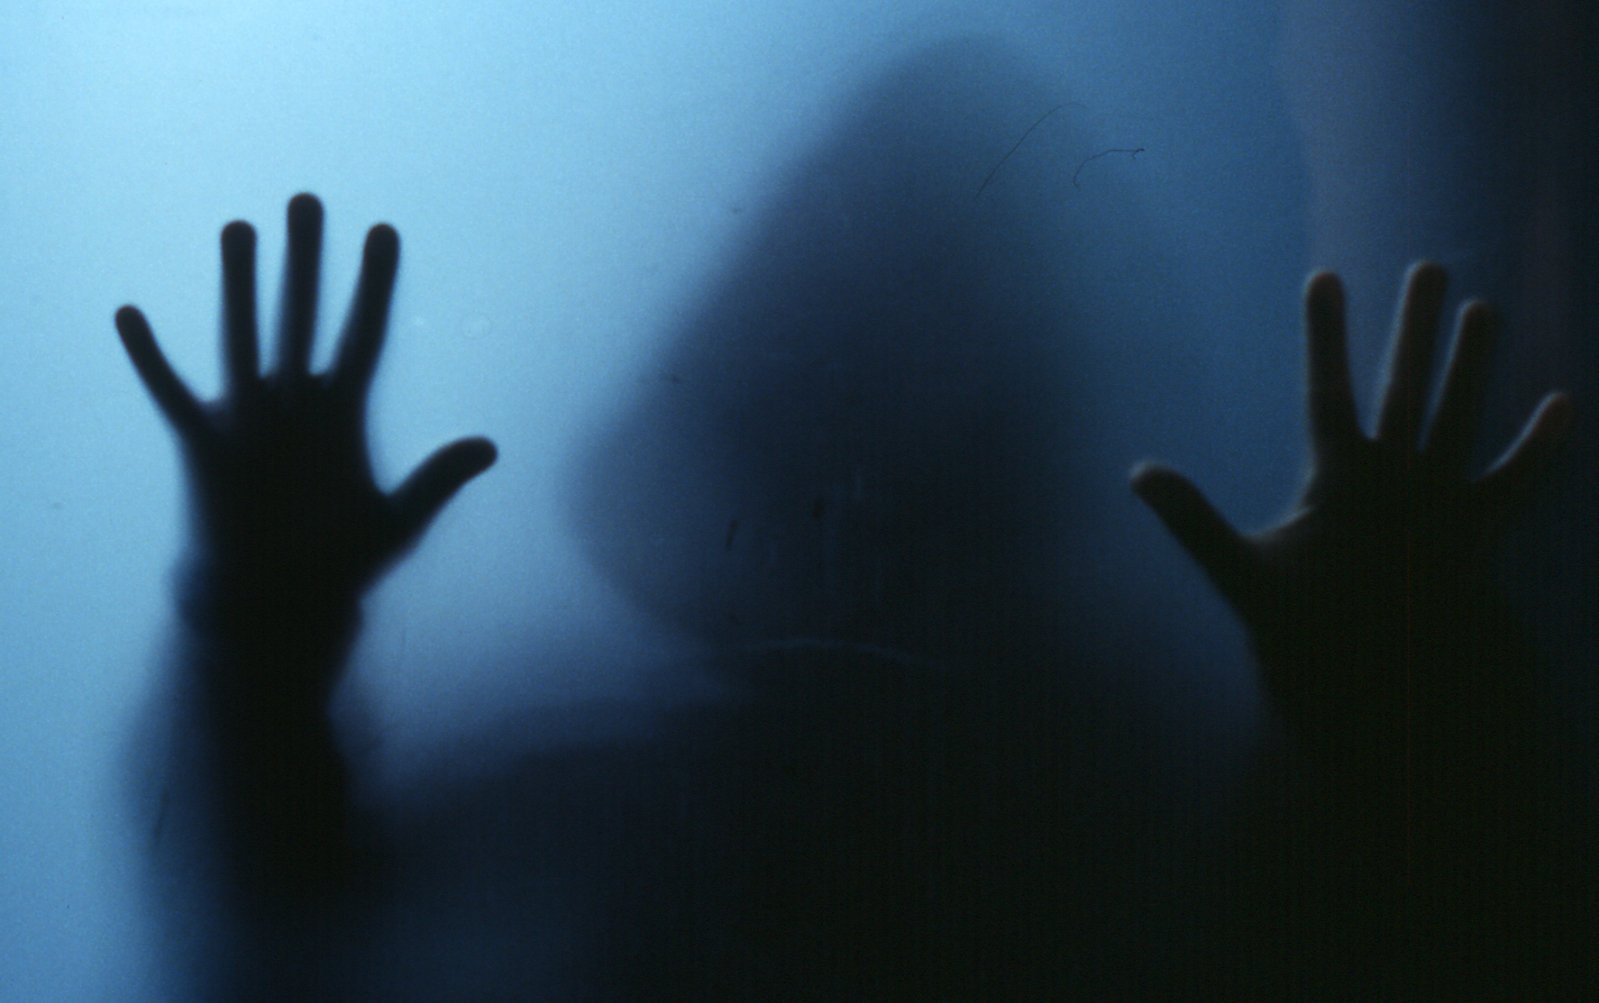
873	492
873	483
876	489
875	443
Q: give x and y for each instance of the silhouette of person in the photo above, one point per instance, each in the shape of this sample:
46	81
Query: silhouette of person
863	473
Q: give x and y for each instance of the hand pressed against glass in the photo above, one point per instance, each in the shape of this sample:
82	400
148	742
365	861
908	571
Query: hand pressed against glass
287	508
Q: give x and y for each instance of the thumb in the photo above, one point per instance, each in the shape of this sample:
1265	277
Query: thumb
436	480
1209	539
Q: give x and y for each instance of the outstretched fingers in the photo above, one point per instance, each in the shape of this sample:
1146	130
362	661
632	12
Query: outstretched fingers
369	314
164	386
1218	548
1404	399
431	485
1454	426
1510	483
301	277
1330	399
240	344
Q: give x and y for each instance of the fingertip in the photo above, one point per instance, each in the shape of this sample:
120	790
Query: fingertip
304	208
1324	302
238	236
454	465
479	454
1427	276
128	318
381	256
1323	284
305	223
1162	488
1147	475
134	332
382	244
1478	316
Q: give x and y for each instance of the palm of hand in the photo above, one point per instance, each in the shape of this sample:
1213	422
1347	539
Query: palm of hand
284	493
290	520
1356	602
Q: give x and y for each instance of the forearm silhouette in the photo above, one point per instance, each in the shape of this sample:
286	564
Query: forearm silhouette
289	531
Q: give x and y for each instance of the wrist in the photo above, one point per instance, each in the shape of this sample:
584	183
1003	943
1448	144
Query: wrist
217	601
259	647
1434	711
